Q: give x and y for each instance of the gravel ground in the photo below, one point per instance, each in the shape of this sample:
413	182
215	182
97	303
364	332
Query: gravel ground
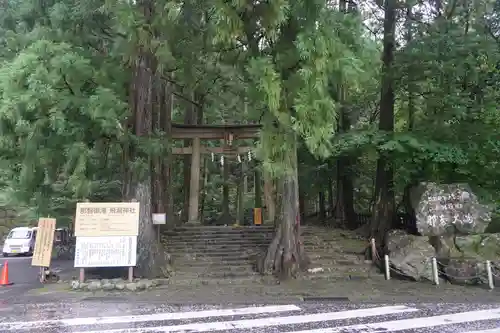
375	290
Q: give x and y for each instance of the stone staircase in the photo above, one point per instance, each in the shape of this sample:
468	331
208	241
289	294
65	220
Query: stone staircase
336	254
216	251
228	252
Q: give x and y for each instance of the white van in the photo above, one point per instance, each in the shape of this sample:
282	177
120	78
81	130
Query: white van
20	240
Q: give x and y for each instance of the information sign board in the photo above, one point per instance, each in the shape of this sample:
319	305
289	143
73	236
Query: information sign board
42	253
159	218
107	219
111	251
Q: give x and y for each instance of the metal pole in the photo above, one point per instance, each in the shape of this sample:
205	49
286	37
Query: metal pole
435	274
491	284
387	267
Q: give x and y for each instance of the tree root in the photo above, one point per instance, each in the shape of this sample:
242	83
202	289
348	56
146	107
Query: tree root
285	258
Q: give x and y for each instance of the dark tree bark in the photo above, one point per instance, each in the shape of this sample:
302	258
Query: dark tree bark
331	196
157	184
285	257
383	208
166	167
257	187
203	192
225	189
302	205
151	257
145	88
189	118
345	188
270	198
322	204
241	195
345	193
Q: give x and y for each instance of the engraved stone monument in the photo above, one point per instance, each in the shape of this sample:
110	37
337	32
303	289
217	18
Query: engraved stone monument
448	209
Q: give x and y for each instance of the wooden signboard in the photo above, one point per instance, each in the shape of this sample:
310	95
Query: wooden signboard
257	216
107	219
44	242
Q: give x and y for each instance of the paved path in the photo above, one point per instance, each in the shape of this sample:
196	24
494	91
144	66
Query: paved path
21	273
24	276
299	317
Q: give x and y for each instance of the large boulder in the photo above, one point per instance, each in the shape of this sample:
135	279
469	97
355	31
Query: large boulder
448	209
410	256
466	271
466	262
483	246
445	247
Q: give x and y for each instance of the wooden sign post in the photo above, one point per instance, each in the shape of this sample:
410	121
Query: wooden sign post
42	254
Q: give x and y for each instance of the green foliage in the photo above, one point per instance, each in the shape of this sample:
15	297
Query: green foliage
291	65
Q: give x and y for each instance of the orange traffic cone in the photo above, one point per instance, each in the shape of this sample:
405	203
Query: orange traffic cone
4	276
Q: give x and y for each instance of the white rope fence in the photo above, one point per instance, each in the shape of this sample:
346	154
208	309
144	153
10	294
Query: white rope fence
435	270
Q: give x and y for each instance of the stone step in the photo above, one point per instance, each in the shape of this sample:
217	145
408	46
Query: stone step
214	257
218	230
194	254
219	245
217	252
228	260
211	239
319	235
238	235
220	253
307	244
221	242
304	230
200	265
252	243
209	236
219	235
230	246
329	247
216	239
221	227
202	247
217	265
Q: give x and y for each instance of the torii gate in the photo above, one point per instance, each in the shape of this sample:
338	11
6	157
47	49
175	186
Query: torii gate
228	133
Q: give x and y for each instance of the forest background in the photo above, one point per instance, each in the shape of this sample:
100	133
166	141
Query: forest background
375	97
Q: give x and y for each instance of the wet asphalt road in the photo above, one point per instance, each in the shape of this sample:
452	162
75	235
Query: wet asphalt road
22	274
112	317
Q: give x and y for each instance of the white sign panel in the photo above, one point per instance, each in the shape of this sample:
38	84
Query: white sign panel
110	251
160	218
